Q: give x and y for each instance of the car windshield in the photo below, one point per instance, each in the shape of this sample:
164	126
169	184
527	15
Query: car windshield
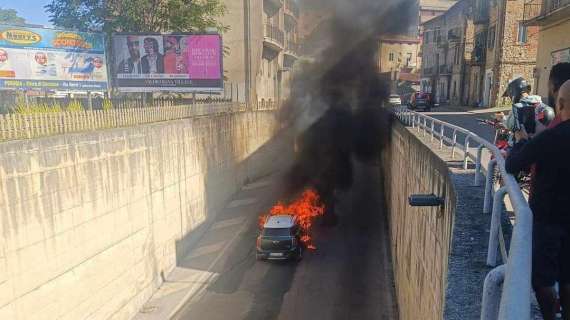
276	232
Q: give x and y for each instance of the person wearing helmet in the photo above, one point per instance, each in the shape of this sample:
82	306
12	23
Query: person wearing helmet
549	201
528	112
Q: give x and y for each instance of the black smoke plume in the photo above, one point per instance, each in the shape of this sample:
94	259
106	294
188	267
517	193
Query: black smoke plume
337	99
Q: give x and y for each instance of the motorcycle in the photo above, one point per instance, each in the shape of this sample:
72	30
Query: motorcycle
503	141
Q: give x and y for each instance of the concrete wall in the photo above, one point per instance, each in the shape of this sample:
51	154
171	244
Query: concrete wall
421	237
90	222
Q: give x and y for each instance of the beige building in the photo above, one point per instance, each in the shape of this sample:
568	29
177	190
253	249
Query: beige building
396	53
400	56
262	47
553	19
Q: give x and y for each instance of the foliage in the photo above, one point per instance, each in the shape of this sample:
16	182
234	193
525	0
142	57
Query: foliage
107	104
138	16
74	106
36	108
21	107
10	16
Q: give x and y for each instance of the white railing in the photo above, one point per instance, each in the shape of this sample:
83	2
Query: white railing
515	275
27	126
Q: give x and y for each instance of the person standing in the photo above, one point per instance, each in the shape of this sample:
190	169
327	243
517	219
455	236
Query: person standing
153	61
131	65
549	201
559	74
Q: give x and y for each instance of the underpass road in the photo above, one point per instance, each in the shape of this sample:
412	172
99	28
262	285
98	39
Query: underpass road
349	276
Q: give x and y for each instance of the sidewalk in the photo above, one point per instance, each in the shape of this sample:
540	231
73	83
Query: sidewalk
199	268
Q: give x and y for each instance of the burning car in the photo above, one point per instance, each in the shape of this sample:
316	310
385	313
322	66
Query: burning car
280	238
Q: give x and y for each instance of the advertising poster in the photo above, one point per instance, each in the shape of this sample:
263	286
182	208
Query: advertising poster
35	58
167	62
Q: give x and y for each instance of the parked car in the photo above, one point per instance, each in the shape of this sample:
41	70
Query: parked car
394	99
422	100
280	239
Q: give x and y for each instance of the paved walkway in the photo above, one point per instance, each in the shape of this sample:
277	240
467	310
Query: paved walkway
467	263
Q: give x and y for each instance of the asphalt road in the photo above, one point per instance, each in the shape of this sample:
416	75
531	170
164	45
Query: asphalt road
349	276
467	120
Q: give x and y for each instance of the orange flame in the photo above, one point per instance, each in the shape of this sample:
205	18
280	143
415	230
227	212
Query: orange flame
305	209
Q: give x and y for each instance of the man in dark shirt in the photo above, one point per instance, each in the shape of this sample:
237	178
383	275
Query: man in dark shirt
550	204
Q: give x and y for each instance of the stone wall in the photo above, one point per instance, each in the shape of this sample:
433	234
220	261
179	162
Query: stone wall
90	223
420	237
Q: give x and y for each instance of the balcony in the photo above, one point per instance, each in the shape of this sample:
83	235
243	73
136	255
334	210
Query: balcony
532	10
427	71
538	13
274	37
481	12
275	3
292	49
292	9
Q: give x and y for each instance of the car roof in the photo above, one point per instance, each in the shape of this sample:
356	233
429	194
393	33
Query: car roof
280	221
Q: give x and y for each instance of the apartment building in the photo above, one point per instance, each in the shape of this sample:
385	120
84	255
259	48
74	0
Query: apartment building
262	47
552	17
446	51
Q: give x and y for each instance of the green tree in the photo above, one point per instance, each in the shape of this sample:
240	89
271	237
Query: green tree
10	16
138	16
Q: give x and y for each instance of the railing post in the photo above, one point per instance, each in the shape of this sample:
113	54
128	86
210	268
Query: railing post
466	155
453	143
441	132
515	299
492	293
419	123
478	165
495	225
431	131
489	186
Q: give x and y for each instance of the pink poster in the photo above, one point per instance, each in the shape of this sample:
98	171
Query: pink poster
204	57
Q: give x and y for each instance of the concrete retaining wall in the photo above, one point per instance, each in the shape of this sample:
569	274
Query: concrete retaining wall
91	222
420	237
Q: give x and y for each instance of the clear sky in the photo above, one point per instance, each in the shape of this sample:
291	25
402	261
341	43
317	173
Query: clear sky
31	10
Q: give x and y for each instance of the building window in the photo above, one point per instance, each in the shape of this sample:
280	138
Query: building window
457	55
409	59
491	38
523	33
391	56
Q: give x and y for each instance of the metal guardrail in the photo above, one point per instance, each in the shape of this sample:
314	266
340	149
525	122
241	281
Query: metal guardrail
556	4
532	10
274	33
515	274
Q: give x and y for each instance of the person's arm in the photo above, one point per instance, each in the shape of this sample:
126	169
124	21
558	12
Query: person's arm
527	152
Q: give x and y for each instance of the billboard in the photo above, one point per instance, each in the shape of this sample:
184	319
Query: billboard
167	62
36	58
